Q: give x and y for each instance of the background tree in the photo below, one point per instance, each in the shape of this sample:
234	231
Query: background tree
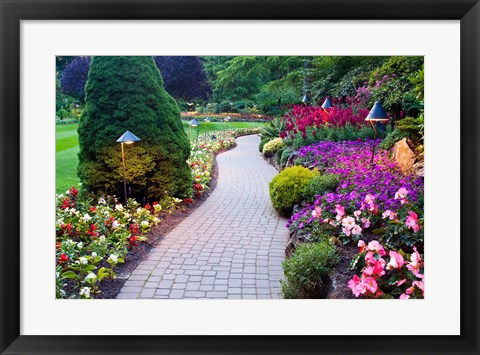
74	77
184	77
127	93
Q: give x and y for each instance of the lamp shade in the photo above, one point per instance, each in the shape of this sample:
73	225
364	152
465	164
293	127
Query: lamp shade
207	119
128	137
226	119
305	99
377	113
193	123
327	103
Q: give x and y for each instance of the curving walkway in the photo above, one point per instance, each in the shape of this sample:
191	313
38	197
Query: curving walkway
232	246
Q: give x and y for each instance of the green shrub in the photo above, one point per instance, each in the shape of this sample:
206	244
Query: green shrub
271	147
306	271
286	188
285	155
263	141
319	185
127	93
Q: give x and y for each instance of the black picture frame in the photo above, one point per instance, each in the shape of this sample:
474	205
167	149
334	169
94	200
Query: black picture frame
13	11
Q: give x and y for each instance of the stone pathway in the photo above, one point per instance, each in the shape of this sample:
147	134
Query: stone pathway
232	246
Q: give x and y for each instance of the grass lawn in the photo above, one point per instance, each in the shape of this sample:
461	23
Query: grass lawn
67	148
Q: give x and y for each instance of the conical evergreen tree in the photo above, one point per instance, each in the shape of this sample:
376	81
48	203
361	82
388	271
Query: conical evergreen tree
127	93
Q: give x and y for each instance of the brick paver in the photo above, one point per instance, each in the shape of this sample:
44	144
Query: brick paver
232	246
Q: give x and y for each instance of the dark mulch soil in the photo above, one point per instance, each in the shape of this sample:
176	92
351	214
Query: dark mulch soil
338	287
111	288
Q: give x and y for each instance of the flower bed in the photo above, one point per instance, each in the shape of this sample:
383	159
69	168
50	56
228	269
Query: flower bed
220	116
92	237
376	202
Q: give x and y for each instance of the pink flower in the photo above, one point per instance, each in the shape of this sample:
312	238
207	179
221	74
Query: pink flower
410	290
346	231
369	199
370	284
357	286
389	214
396	261
370	258
357	213
365	223
401	194
376	268
361	246
415	263
412	221
317	212
404	296
340	212
356	230
376	246
348	222
401	282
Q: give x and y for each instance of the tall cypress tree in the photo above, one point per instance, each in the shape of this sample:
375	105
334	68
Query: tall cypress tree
127	93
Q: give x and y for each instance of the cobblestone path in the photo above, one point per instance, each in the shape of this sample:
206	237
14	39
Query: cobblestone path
232	246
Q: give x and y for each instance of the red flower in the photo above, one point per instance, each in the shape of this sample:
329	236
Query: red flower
93	209
63	258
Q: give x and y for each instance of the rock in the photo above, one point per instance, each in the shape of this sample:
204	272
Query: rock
404	156
419	169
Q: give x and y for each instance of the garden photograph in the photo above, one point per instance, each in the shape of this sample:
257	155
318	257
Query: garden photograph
239	177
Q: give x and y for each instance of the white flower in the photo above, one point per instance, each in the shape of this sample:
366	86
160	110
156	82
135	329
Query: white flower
82	260
90	277
113	258
94	254
156	220
102	201
86	217
101	238
119	207
67	192
69	242
116	224
145	224
139	210
80	245
126	215
85	291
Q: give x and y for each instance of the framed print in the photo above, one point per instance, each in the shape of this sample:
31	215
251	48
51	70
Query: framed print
239	177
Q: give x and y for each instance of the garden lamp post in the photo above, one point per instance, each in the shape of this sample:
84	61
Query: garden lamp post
205	121
226	119
126	138
327	104
192	123
376	114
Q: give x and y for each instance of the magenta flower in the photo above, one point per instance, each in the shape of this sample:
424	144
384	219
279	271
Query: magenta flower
396	261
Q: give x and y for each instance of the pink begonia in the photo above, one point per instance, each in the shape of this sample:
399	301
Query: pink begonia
346	231
404	296
357	213
401	195
356	230
357	286
369	199
361	245
396	261
365	223
348	222
376	268
410	290
390	215
415	263
412	221
370	284
340	210
375	246
401	282
370	258
317	212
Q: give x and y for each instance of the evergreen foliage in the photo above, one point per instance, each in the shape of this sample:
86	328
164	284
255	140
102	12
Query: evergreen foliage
127	93
74	77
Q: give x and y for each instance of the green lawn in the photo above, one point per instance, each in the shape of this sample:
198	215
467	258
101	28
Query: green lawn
67	148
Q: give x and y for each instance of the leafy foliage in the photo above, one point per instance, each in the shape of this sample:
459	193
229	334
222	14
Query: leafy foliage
286	188
126	93
307	269
319	185
184	77
74	77
272	147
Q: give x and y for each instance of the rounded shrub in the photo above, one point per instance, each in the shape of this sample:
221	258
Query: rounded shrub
263	141
127	93
319	185
306	271
286	188
271	147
